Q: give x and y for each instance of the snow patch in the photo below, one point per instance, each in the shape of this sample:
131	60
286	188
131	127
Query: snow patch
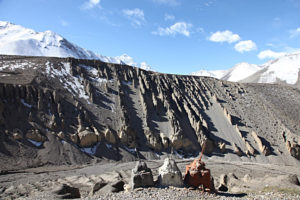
179	155
90	150
16	65
26	104
63	142
72	83
133	151
90	69
35	143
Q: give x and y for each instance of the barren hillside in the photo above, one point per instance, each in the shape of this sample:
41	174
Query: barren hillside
56	111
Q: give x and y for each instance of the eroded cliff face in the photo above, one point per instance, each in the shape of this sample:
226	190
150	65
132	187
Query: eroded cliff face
69	111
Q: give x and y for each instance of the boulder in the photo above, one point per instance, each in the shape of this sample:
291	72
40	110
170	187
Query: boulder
97	186
294	149
87	138
169	174
67	192
127	187
111	188
141	176
118	186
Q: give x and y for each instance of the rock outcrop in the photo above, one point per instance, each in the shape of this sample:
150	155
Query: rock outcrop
35	136
67	192
262	148
110	136
86	138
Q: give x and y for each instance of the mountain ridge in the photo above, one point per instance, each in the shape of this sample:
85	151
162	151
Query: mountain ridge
18	40
281	70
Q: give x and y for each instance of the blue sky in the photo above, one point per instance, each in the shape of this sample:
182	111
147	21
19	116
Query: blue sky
172	36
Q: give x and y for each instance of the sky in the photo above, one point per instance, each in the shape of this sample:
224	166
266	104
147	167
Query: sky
172	36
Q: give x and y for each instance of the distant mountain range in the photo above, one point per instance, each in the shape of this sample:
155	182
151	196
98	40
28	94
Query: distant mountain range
18	40
284	69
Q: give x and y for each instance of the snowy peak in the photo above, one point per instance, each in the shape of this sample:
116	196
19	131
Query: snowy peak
125	59
236	73
240	72
17	40
284	69
214	73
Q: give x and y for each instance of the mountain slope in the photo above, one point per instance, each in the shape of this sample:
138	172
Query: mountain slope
17	40
57	111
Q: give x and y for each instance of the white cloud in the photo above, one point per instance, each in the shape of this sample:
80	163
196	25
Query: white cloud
168	2
91	4
169	17
224	36
182	28
245	46
135	15
270	54
294	33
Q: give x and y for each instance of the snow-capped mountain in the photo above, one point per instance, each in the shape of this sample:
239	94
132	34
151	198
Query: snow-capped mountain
125	59
284	69
236	73
18	40
240	72
213	73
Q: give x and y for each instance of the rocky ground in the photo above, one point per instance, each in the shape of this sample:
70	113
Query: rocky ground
246	180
